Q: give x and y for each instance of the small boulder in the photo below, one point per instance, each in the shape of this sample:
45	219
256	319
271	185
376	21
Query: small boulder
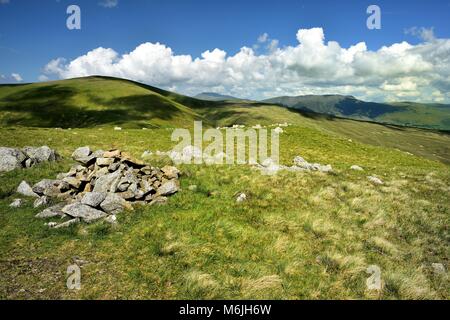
66	224
43	185
112	219
81	153
168	188
25	189
11	159
375	180
170	172
17	203
356	168
104	162
159	201
93	199
114	204
72	181
108	182
241	197
55	211
41	154
112	154
86	213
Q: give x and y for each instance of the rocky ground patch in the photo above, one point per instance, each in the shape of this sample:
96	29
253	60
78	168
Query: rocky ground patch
11	158
103	184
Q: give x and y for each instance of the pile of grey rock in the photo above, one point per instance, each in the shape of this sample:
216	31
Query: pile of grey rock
103	184
11	158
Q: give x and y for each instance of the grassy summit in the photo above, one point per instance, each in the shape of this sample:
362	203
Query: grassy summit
298	234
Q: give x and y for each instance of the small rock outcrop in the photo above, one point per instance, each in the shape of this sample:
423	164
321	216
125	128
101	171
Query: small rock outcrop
104	184
12	158
375	180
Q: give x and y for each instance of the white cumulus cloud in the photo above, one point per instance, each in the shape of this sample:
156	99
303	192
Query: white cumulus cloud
313	66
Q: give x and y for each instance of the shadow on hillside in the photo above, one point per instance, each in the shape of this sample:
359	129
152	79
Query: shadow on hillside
53	106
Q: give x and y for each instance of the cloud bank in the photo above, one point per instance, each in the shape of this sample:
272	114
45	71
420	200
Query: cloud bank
400	71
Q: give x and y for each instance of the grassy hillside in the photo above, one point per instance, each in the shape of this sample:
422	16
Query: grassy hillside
299	235
436	116
93	101
107	102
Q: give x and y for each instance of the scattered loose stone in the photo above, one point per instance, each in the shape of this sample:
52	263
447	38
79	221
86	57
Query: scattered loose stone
17	203
111	219
25	189
67	224
278	130
375	180
159	201
357	168
51	224
438	268
55	211
241	197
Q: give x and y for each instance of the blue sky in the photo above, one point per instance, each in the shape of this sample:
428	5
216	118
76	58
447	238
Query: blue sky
32	33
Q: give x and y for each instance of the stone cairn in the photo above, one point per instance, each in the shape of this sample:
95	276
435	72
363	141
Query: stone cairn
11	158
102	185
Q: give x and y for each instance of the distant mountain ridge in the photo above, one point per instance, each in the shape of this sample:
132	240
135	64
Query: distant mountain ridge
436	116
213	96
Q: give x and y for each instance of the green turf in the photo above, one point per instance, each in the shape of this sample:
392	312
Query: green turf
298	236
